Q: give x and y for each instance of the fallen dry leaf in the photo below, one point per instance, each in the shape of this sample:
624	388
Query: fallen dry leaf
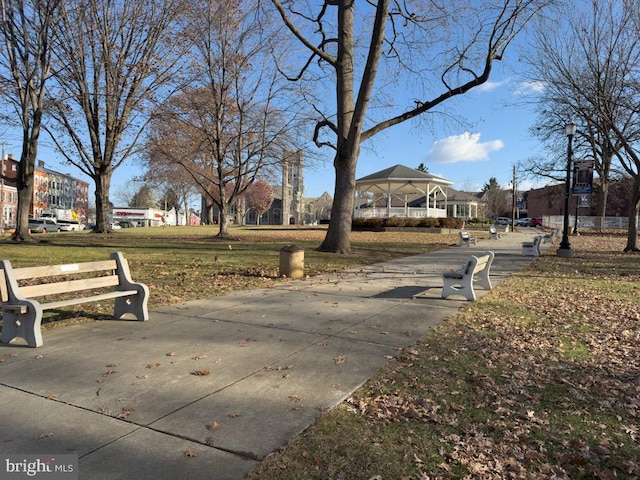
201	357
153	365
126	411
339	359
190	453
200	373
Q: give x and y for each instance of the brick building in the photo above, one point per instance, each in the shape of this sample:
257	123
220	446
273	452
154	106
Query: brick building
52	190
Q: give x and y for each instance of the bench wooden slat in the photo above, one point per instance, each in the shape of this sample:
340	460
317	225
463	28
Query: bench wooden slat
65	269
32	291
94	298
4	295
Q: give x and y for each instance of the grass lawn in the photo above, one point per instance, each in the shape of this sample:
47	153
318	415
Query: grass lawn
186	263
539	379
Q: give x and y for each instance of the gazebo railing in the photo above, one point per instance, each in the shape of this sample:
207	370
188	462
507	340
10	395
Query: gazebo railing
411	212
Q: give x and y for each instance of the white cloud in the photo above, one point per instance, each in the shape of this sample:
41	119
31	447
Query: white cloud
528	88
462	148
489	86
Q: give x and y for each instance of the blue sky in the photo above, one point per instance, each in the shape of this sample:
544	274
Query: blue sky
493	137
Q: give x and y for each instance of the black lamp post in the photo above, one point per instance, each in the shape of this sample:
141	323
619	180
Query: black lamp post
565	246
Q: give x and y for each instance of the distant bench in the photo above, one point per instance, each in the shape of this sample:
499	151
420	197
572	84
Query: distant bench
532	249
551	237
466	239
494	234
22	314
462	281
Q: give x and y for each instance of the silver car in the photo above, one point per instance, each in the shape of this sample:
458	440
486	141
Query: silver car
43	225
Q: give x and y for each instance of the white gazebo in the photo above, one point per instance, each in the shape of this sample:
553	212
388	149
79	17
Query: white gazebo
401	191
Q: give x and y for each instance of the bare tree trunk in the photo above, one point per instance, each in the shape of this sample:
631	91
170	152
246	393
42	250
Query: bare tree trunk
25	196
223	207
632	232
338	238
224	221
211	219
103	182
601	212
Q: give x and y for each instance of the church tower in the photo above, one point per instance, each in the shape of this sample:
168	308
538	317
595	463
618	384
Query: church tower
292	187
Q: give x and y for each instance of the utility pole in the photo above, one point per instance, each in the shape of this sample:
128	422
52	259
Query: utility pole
514	192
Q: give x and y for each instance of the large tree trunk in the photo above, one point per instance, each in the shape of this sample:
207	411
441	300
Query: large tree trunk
210	217
25	196
632	232
103	208
25	185
338	238
224	220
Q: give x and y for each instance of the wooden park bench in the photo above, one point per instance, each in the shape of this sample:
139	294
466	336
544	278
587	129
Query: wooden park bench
466	239
106	279
494	234
463	281
532	249
551	237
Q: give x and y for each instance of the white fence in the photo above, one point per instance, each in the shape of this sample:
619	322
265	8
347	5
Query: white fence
557	221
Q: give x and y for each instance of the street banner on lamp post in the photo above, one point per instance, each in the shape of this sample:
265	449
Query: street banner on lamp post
583	177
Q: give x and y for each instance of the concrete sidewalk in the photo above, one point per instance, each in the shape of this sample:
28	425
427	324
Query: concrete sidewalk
206	389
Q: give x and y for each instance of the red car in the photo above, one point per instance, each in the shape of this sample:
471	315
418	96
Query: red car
534	222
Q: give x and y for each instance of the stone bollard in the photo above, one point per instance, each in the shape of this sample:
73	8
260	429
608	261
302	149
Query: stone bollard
292	261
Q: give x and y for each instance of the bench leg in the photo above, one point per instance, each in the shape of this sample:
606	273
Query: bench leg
483	280
135	305
25	326
458	287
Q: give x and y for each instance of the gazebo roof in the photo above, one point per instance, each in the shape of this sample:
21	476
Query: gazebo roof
399	179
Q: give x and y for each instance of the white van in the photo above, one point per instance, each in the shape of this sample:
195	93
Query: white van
70	225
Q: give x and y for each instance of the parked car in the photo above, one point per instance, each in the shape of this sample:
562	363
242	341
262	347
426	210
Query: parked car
503	221
523	222
70	226
43	225
115	226
535	222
